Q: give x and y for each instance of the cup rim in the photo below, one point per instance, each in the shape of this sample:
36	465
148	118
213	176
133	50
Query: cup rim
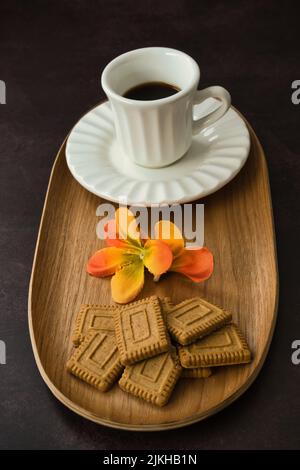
183	92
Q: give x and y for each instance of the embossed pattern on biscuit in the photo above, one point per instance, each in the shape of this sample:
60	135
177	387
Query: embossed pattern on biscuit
196	373
193	319
153	379
93	317
226	346
140	330
97	360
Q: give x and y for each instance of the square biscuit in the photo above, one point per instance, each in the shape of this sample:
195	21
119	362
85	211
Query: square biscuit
224	347
97	360
196	373
153	379
140	330
93	317
193	318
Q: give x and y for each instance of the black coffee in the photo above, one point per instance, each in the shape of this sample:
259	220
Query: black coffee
151	91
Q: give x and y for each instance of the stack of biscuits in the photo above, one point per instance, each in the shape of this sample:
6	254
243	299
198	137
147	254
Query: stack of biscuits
147	345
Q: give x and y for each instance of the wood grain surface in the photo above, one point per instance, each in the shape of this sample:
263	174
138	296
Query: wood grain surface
239	231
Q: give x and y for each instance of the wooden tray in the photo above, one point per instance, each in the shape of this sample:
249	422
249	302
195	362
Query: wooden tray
239	231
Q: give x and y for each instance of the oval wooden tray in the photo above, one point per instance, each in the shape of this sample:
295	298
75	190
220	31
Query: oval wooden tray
239	231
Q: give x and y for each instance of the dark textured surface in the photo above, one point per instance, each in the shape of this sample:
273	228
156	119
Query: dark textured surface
51	57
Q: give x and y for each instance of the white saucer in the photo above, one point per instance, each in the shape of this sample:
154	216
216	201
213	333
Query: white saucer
217	154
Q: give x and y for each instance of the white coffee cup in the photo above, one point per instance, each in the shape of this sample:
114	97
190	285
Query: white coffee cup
159	132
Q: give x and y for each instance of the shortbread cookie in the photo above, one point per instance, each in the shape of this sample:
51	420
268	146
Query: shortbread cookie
224	347
97	360
140	330
152	379
93	317
193	319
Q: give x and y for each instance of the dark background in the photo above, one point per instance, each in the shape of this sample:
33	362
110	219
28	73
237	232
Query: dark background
51	57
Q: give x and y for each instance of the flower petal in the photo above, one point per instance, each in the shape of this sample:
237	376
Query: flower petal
128	282
112	237
169	233
127	227
158	257
197	264
106	261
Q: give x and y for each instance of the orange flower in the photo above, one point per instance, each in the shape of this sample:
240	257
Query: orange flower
195	263
128	253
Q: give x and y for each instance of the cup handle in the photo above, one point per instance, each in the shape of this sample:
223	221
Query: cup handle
211	92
